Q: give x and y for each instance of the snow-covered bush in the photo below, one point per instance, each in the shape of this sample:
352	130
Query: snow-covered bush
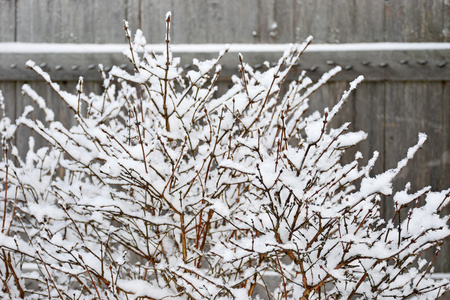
164	191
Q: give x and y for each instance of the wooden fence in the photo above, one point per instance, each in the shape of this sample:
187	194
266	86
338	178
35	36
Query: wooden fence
407	86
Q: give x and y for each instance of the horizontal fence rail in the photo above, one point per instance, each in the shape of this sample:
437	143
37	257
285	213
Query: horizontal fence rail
376	61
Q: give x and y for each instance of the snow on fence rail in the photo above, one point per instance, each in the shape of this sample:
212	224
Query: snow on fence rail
377	61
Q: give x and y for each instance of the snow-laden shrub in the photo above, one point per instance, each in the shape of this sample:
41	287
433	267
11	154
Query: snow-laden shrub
162	191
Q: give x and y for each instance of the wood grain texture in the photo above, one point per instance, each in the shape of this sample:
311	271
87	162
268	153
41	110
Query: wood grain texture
444	262
232	21
67	21
8	90
149	16
7	20
77	24
266	21
311	19
108	23
413	107
368	22
23	133
433	153
341	16
38	21
404	107
207	21
369	116
446	21
414	20
276	21
339	21
190	21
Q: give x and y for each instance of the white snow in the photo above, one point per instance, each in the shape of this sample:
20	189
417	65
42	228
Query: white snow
19	47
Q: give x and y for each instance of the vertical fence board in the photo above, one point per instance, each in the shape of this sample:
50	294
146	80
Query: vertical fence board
369	117
412	108
446	21
61	21
78	21
432	20
328	96
232	21
190	21
368	22
341	17
347	112
414	21
8	90
339	20
311	19
152	18
108	25
23	133
134	14
395	136
284	16
404	110
431	156
266	20
7	20
446	139
38	21
444	262
433	125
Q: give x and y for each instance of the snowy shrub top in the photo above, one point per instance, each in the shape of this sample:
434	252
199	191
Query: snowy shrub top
164	190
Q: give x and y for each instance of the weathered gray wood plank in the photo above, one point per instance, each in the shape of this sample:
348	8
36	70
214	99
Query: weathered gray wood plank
62	21
266	21
446	21
444	262
7	20
108	23
211	20
397	137
232	21
341	16
8	90
276	21
432	153
369	116
38	21
404	107
413	107
135	14
340	20
414	21
152	19
77	22
311	19
367	21
23	133
285	18
190	21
